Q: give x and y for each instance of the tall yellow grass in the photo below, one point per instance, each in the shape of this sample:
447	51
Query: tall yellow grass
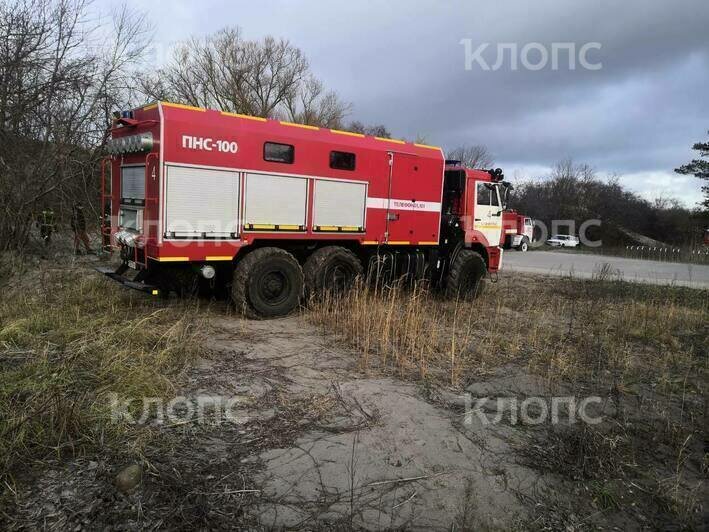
563	328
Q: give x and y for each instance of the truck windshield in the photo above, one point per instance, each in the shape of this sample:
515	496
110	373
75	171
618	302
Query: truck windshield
488	195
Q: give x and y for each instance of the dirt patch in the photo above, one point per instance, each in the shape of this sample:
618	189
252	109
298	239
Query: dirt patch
316	442
382	456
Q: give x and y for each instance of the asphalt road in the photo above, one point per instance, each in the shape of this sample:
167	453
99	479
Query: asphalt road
585	265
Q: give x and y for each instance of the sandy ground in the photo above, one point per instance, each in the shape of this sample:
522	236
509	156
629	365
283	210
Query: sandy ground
384	456
316	444
586	265
386	453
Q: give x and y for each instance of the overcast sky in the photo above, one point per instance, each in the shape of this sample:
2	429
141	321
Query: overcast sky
401	63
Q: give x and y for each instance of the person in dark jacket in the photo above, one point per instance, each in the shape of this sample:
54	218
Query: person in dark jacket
78	225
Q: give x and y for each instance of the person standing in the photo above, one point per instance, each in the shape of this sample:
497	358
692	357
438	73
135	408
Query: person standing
78	225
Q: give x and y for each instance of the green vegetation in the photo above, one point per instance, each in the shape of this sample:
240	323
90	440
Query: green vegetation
67	342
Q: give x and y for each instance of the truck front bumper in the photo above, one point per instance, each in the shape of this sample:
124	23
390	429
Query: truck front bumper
494	258
516	240
135	284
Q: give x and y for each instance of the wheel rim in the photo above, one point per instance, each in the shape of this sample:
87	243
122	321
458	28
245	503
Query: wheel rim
273	287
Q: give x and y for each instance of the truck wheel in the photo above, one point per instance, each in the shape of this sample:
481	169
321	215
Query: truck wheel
268	282
466	276
524	246
332	268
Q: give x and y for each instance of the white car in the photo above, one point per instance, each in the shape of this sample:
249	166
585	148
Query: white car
563	241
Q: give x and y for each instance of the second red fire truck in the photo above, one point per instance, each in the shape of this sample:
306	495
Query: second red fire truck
272	211
517	230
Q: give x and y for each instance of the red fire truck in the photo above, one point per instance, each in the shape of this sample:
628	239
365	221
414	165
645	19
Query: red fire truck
517	230
271	210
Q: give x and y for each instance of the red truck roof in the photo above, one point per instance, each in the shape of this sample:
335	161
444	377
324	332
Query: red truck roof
178	117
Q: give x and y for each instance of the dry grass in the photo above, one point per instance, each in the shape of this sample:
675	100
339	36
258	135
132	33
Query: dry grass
643	348
565	328
68	340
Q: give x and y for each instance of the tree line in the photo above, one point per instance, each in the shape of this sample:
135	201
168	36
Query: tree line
575	192
61	75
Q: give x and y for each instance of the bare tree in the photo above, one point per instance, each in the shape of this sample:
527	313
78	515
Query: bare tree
375	130
313	105
60	76
269	78
474	156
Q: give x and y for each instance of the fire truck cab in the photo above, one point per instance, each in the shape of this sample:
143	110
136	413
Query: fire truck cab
271	211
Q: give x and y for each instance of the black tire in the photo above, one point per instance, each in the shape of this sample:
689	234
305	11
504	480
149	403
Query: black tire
466	277
524	245
332	268
268	282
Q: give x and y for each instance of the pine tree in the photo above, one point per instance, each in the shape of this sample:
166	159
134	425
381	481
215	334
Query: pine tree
699	168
